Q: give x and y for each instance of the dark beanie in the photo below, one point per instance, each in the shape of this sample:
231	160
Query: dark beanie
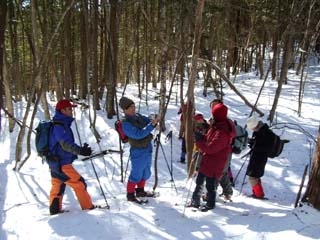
219	112
125	103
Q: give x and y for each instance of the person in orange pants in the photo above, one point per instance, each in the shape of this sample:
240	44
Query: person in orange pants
62	152
68	176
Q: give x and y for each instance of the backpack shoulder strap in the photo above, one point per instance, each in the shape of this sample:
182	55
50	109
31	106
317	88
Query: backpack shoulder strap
55	122
137	123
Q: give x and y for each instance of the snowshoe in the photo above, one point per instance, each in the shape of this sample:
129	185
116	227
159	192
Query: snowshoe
139	201
132	198
256	197
226	197
100	207
146	194
61	211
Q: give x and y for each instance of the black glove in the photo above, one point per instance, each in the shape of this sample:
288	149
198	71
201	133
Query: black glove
198	136
85	150
250	142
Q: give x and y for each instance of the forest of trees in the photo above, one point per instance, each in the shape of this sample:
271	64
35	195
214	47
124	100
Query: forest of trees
81	48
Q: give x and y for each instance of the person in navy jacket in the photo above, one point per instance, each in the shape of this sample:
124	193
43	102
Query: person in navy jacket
138	129
64	151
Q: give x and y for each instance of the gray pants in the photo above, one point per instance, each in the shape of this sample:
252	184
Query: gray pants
225	181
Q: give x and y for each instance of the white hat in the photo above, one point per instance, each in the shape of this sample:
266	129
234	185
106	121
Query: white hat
252	122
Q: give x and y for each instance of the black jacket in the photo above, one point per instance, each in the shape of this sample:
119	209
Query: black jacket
262	142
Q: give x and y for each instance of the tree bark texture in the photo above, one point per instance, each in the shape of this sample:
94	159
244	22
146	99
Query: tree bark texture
192	79
312	194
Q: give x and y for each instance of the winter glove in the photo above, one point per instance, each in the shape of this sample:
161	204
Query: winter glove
250	142
85	150
198	136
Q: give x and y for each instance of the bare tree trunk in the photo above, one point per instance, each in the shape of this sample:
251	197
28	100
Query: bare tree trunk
137	47
95	70
154	56
37	84
33	91
7	92
303	77
67	53
224	77
275	54
283	75
301	90
83	89
4	81
15	72
312	194
163	68
3	14
260	62
163	72
190	92
113	52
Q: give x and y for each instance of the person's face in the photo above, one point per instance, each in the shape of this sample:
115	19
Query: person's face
67	111
130	110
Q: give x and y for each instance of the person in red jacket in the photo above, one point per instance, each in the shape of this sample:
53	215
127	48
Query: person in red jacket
215	146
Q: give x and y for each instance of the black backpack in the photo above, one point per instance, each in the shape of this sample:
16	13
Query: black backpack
276	146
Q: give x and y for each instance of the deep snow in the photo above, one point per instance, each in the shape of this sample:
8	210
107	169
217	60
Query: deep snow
24	195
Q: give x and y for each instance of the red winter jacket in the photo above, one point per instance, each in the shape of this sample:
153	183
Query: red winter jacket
216	148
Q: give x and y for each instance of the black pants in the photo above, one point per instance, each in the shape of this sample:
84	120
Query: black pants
211	186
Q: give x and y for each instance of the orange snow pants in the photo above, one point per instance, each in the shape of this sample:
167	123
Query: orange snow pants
67	175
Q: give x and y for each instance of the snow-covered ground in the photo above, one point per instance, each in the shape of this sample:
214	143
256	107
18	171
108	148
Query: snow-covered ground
24	195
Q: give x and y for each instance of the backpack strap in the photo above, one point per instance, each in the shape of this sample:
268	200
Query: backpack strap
140	123
55	122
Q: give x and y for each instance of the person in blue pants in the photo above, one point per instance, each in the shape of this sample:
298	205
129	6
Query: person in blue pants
138	129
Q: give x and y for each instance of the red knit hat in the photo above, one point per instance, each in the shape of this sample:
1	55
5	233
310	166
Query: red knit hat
198	117
219	112
64	103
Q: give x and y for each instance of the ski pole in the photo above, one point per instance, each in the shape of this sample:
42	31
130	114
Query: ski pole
188	193
169	137
103	194
94	169
246	156
127	165
244	178
170	171
189	189
104	152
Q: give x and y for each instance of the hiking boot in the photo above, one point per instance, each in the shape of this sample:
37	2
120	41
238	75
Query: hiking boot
140	192
227	197
206	208
131	197
257	197
95	206
54	207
